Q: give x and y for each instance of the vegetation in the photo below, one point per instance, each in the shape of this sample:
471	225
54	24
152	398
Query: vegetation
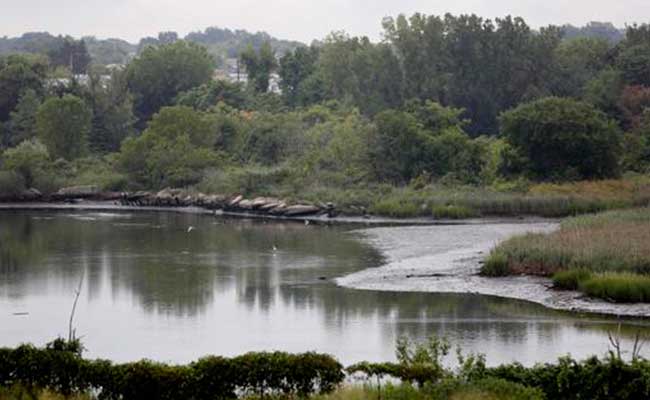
59	371
449	117
604	255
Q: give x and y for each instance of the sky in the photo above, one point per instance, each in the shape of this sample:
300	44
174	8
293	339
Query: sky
286	19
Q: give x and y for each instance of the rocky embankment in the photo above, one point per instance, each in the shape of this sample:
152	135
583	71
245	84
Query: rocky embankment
178	198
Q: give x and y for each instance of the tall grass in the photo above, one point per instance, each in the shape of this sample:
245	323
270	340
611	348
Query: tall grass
613	246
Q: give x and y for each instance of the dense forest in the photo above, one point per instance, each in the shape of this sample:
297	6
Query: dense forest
447	100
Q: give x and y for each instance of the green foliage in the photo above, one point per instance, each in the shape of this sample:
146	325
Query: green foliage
452	212
11	184
112	106
59	367
295	70
563	138
618	287
71	54
63	125
22	121
29	159
395	208
19	73
259	66
159	74
570	279
496	265
173	151
212	93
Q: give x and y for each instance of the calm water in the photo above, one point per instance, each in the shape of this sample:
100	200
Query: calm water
153	290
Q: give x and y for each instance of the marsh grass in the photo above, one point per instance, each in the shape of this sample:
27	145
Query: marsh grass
619	288
571	279
605	255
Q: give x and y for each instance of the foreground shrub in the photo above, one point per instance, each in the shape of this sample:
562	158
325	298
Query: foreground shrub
620	288
257	374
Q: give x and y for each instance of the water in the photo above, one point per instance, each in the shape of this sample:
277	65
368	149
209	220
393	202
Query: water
151	289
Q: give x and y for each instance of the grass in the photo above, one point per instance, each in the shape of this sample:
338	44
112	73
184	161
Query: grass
487	389
605	255
619	288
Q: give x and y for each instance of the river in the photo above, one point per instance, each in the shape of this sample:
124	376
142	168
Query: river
175	287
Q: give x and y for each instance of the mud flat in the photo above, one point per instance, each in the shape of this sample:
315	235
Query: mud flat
447	259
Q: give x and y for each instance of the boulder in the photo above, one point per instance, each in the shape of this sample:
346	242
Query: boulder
78	192
301	210
270	206
31	195
279	209
245	205
235	201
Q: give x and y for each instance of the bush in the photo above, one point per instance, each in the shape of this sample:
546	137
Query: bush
11	184
570	279
395	208
496	265
619	287
497	389
59	367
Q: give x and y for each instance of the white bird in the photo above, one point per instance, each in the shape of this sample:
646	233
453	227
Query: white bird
306	222
190	229
275	248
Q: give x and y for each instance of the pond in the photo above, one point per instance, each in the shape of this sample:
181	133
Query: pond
175	287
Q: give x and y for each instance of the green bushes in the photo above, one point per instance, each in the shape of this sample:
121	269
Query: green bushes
593	379
260	374
571	279
395	208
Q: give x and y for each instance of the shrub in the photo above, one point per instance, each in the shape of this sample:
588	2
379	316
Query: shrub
570	279
496	265
11	184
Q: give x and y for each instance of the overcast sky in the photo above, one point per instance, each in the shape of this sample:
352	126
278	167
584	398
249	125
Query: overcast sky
287	19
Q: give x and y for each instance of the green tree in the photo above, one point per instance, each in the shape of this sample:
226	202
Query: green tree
18	73
212	93
28	159
159	74
22	122
173	151
295	68
563	139
579	61
63	125
112	108
71	54
259	66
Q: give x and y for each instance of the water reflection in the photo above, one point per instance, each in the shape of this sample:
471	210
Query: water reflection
151	289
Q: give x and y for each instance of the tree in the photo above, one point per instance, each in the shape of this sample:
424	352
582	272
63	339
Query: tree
28	159
19	73
173	151
63	125
295	68
159	74
259	66
22	121
71	54
112	108
579	61
563	139
212	93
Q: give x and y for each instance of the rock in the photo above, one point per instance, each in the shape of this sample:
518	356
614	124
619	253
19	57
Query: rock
215	201
78	192
235	201
109	196
261	202
31	195
245	204
270	206
278	210
301	210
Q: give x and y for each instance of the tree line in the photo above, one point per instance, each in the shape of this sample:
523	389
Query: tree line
455	99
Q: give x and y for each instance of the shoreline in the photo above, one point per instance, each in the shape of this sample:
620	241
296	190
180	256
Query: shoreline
455	270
